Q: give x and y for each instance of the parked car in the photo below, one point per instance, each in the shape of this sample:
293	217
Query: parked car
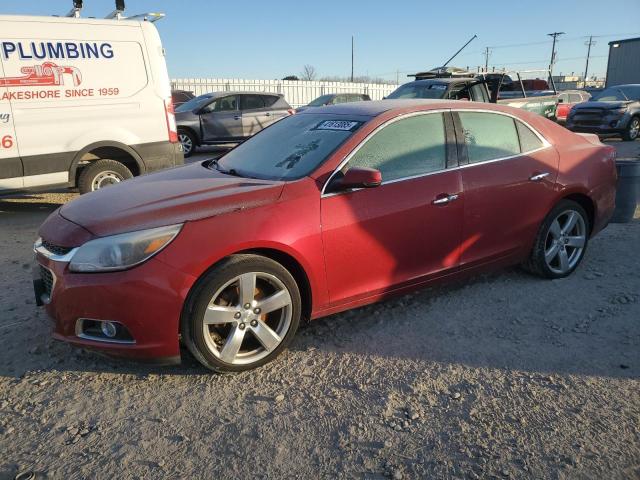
452	88
70	116
566	101
324	211
181	96
614	111
227	117
334	99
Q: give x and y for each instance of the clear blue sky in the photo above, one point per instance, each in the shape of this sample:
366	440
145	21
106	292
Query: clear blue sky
271	39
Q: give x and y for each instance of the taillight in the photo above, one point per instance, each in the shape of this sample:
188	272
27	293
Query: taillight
171	120
291	111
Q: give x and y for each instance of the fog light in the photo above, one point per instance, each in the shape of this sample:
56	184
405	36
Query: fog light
109	329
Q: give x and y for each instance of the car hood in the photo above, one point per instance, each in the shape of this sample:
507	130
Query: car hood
605	105
168	197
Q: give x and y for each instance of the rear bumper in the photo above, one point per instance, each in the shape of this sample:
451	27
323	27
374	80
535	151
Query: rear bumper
147	300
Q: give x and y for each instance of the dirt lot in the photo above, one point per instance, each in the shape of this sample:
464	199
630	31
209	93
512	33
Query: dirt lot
503	376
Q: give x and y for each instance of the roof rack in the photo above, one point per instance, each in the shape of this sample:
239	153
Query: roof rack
118	13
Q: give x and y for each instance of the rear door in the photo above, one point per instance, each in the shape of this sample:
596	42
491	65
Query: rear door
255	114
221	120
10	164
508	178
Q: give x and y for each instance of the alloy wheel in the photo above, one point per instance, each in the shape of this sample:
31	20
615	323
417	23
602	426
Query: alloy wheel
104	179
634	128
247	318
565	242
187	143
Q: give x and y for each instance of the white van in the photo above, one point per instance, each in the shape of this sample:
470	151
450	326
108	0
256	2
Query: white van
83	103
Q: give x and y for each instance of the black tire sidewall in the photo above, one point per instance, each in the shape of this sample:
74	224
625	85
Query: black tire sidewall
90	172
191	323
539	264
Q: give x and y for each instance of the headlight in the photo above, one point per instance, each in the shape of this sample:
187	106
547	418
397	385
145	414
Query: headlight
119	252
617	111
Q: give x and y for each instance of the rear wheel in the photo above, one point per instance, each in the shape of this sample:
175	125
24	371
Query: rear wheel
561	241
102	173
633	130
242	314
188	141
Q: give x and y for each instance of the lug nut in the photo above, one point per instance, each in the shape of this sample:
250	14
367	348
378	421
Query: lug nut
241	326
247	306
256	311
254	323
237	315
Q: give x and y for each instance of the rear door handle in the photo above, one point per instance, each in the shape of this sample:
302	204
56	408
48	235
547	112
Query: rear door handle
268	114
539	176
443	200
237	117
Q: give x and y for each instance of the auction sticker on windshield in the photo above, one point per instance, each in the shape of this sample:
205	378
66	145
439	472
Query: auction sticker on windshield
340	125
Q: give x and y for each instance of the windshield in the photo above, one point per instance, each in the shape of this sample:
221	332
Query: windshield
609	95
420	90
194	103
291	148
318	102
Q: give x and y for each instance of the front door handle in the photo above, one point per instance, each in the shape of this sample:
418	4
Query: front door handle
237	117
268	114
539	176
443	200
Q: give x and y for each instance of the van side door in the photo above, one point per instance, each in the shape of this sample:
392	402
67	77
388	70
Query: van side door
11	170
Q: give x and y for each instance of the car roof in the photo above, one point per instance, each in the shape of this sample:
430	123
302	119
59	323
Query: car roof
243	92
442	80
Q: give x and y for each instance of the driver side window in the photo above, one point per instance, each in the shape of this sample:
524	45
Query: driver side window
408	147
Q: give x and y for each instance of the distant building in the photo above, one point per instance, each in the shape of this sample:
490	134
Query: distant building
624	62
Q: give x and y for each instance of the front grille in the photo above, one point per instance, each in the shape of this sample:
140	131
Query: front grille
47	280
56	249
588	116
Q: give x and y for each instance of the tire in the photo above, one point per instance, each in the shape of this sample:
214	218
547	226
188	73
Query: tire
558	250
633	130
188	141
260	337
102	173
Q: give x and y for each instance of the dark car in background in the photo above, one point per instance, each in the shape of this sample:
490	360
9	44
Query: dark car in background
227	117
566	100
178	97
444	88
334	99
614	111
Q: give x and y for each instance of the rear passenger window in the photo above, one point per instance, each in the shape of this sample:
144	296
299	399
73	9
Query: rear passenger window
406	148
575	98
489	136
251	102
269	100
528	140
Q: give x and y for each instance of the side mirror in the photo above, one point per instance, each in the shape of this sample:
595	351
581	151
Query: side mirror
361	177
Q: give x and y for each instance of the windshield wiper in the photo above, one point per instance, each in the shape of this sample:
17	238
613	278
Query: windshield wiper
232	171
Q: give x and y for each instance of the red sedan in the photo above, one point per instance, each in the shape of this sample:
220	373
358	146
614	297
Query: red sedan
324	211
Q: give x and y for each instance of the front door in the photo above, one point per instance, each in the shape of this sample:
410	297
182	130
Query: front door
398	233
221	120
10	164
508	183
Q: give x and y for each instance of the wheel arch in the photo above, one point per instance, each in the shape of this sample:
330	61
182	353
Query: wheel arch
107	150
192	132
585	202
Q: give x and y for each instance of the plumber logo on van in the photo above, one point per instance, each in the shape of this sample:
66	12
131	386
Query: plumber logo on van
55	50
47	74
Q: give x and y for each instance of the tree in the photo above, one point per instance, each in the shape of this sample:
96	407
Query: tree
291	77
309	73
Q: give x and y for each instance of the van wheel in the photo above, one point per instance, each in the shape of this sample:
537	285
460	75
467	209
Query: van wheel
188	141
102	173
633	130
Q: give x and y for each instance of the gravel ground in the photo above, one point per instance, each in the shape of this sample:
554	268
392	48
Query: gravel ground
501	376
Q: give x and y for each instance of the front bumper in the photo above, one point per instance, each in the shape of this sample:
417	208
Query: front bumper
604	125
147	300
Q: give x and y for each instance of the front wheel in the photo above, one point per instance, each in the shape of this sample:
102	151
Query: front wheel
633	130
188	141
561	241
102	173
242	314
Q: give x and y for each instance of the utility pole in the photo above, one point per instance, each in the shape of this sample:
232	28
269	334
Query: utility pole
351	58
586	67
486	58
397	77
553	50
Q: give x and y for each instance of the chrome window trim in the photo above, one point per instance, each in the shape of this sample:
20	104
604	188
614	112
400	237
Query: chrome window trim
367	138
545	144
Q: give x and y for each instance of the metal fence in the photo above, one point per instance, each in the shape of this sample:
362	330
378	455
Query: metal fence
296	92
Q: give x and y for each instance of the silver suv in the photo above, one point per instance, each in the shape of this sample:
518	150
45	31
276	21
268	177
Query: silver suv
227	117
